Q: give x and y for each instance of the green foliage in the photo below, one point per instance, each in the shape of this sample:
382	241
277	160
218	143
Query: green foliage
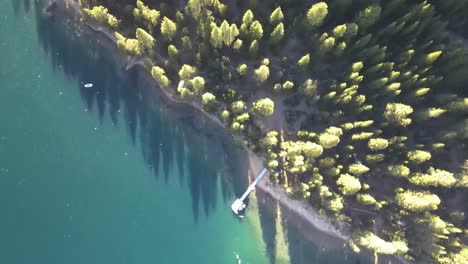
101	14
186	72
431	57
238	106
253	48
225	115
349	184
366	199
434	177
304	61
130	46
145	39
277	34
357	169
264	107
397	114
288	85
339	31
216	37
237	44
198	82
208	98
415	201
312	150
242	69
159	75
328	141
262	73
150	15
309	88
256	30
316	14
369	16
172	51
380	246
276	16
271	139
248	17
398	170
376	144
168	28
418	156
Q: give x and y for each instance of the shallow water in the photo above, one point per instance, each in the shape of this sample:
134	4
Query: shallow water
106	175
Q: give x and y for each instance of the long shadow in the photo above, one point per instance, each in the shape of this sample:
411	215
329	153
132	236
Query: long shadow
174	139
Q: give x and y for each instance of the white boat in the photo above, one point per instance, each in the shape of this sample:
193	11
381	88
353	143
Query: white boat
88	85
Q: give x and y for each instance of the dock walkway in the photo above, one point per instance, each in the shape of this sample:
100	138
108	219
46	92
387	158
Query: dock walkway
238	205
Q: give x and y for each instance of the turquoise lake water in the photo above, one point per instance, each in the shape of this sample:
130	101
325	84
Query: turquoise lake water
107	175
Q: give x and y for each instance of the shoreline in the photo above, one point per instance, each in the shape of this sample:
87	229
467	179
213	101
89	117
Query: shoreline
300	208
302	211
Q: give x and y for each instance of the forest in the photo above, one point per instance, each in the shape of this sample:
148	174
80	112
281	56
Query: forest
358	106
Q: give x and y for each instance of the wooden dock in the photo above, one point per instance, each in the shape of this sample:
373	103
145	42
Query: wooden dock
238	205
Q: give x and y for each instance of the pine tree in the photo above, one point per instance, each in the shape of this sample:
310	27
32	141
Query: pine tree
159	75
349	184
208	99
150	15
247	18
168	28
277	34
397	114
327	140
256	30
172	51
417	201
304	61
419	156
276	16
253	48
339	31
145	39
317	14
263	107
216	37
198	84
369	16
262	73
434	177
186	72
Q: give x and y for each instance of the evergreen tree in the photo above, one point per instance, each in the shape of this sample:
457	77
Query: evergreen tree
247	18
277	34
255	30
397	114
262	73
172	51
418	156
216	37
145	39
208	98
415	201
276	16
317	14
304	61
186	72
198	84
263	107
168	28
253	48
376	144
327	140
369	16
349	184
434	177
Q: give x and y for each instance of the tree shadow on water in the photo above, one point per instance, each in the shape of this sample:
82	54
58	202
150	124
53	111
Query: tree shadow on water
174	139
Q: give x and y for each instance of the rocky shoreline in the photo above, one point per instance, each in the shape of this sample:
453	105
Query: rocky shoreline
300	213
